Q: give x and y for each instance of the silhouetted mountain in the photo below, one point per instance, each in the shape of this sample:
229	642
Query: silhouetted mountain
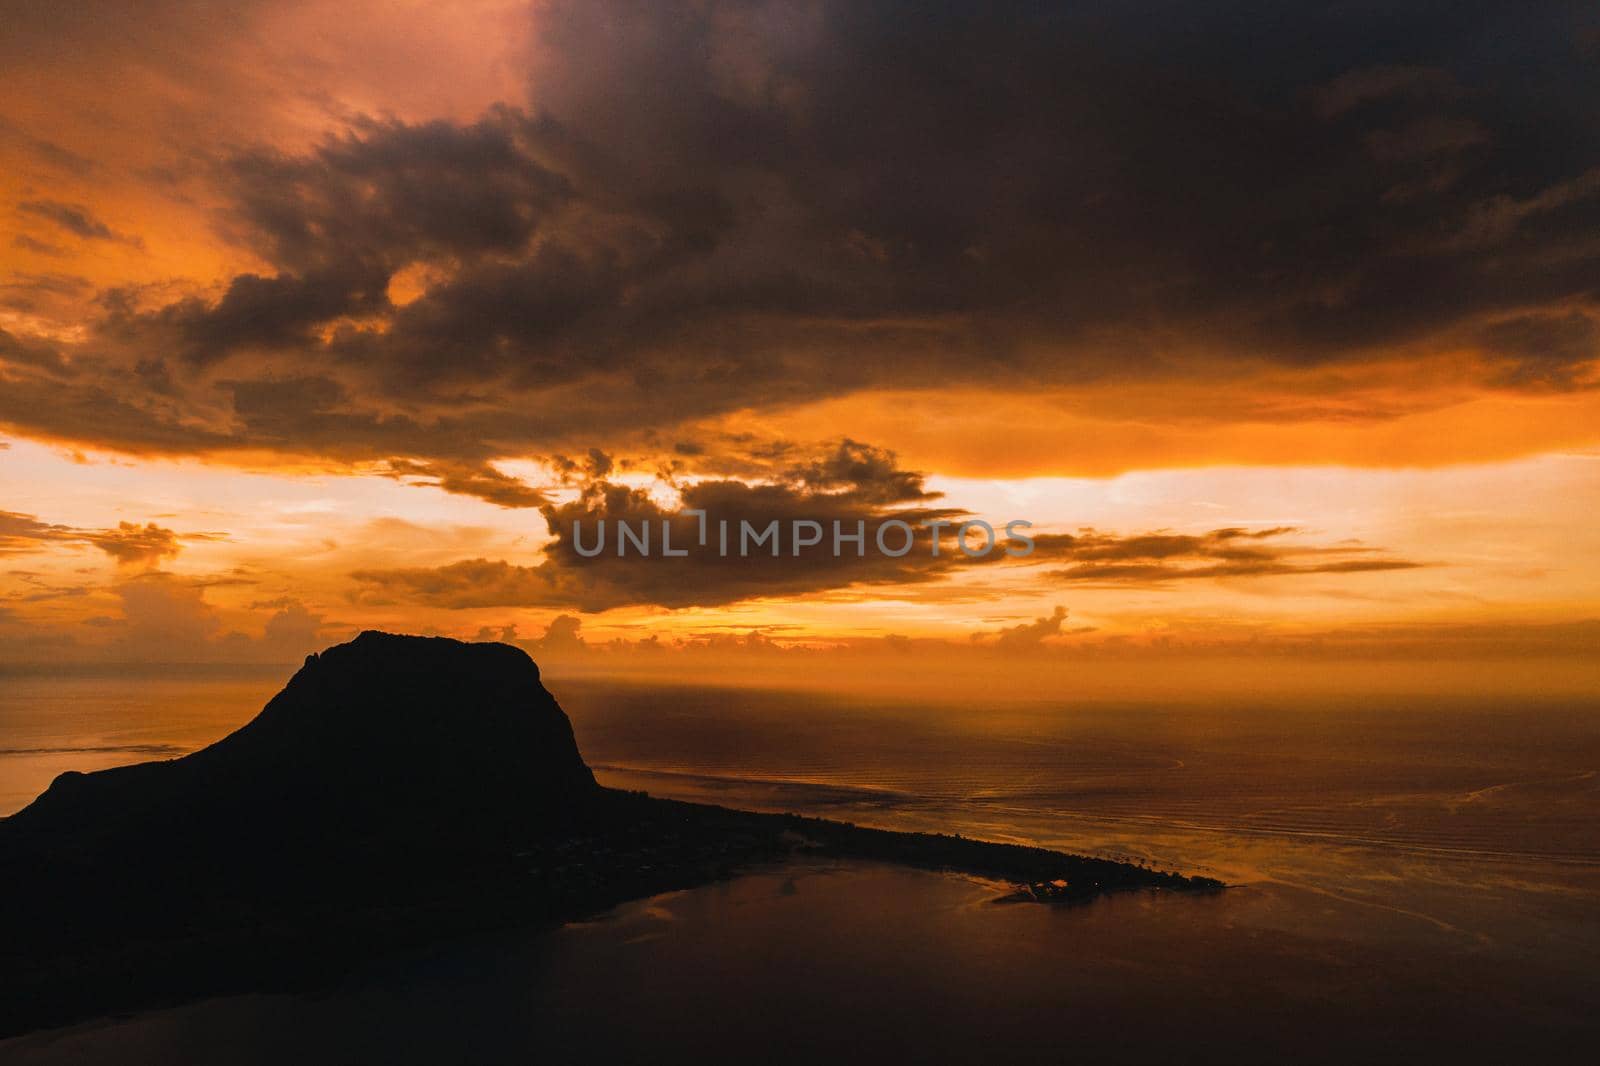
398	789
431	739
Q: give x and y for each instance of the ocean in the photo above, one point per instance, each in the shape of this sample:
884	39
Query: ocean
1424	874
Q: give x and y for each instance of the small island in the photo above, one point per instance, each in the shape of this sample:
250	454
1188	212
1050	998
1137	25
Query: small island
399	790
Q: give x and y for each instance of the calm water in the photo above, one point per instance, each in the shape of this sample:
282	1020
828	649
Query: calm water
1416	882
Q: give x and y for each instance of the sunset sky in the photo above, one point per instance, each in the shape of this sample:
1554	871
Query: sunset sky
1280	324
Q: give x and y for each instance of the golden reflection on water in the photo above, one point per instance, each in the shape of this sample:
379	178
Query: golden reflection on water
1392	861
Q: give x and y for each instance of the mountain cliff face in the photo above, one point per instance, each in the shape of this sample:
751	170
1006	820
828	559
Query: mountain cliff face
433	740
397	788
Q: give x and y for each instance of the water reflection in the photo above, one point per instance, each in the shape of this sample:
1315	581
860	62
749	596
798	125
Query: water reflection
1414	882
870	964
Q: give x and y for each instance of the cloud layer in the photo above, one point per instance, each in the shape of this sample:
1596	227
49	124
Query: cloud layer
128	543
705	209
719	530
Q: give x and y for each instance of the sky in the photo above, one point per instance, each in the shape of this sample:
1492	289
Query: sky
1278	323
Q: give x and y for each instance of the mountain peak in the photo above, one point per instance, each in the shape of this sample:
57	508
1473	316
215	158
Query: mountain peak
383	732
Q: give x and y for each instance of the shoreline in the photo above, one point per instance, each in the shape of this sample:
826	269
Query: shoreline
633	847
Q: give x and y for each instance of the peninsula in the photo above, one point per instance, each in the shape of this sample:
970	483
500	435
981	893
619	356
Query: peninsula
399	790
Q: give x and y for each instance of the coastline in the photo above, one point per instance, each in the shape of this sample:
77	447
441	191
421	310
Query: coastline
631	847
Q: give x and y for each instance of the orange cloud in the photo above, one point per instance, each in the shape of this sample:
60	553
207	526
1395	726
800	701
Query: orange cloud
128	543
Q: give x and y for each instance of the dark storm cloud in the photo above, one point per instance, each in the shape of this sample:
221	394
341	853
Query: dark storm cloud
721	206
389	193
1544	348
706	576
855	485
867	474
859	489
566	579
19	352
1056	169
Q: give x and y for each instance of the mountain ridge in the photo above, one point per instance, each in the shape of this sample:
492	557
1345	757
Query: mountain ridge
367	734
